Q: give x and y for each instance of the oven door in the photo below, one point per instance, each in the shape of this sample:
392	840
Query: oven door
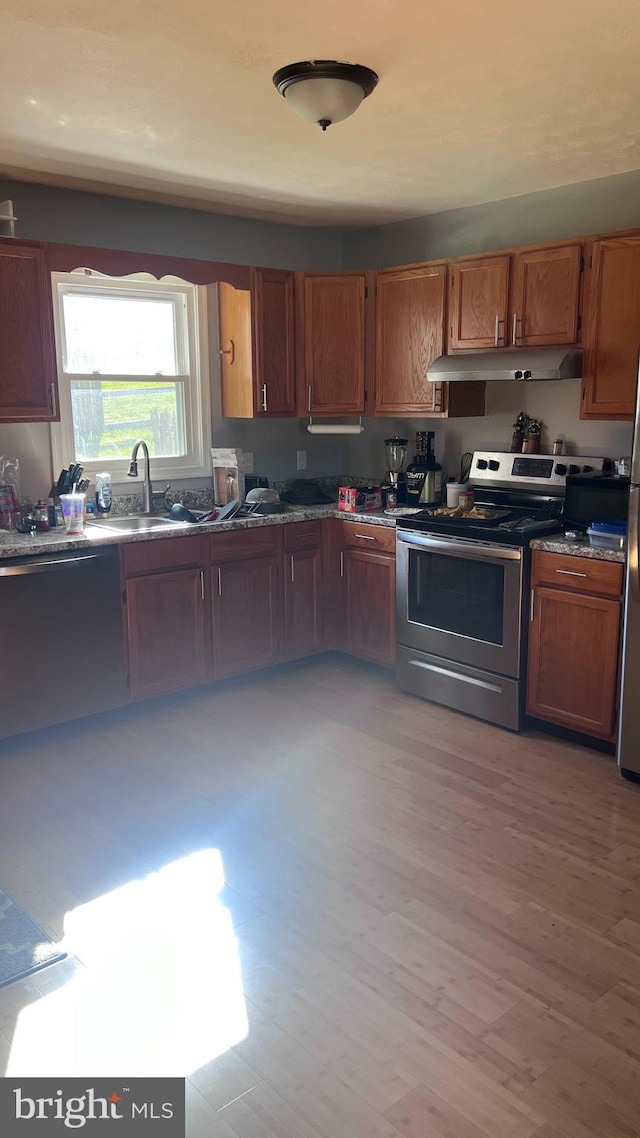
461	600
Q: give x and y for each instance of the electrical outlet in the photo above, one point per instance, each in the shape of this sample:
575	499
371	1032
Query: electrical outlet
247	462
301	460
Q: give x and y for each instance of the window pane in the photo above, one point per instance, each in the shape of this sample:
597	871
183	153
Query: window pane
119	335
109	417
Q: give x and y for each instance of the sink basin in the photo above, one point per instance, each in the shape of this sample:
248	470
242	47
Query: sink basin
134	523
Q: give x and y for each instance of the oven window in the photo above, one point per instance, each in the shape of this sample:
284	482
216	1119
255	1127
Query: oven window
457	595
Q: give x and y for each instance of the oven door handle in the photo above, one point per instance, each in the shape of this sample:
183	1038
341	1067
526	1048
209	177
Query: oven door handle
472	550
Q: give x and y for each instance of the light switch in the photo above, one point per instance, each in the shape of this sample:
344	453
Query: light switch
301	456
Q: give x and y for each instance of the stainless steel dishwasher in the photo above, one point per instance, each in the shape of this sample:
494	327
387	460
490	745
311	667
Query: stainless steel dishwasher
61	638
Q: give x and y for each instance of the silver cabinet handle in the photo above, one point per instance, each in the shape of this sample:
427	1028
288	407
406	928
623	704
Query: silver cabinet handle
219	581
309	400
54	401
264	396
202	584
364	537
293	574
497	330
532	606
514	332
341	564
570	573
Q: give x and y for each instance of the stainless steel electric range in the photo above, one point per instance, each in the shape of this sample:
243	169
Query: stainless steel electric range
462	585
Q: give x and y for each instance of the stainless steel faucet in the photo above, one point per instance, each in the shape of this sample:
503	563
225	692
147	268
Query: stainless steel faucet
132	472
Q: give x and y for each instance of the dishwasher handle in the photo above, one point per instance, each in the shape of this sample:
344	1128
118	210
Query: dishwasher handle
38	565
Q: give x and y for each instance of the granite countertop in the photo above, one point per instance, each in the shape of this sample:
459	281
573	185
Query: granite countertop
559	544
14	544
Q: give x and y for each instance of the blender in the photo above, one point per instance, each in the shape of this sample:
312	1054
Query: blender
394	489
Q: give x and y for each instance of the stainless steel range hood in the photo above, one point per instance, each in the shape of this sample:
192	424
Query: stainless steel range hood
521	364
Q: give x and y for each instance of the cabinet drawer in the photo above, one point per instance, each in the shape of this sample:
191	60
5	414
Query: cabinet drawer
259	542
164	553
302	535
362	536
578	574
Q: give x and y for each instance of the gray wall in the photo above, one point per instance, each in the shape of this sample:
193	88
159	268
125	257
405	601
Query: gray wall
571	211
47	213
52	214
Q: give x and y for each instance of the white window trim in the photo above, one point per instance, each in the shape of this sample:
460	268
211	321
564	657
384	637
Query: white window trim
197	462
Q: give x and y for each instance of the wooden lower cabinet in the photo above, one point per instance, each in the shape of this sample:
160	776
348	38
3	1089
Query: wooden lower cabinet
574	648
370	605
245	614
166	626
302	633
247	599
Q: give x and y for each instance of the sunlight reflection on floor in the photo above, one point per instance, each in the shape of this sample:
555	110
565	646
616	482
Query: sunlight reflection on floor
161	992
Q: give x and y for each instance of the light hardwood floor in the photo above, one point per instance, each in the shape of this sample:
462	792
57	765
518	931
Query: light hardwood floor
438	923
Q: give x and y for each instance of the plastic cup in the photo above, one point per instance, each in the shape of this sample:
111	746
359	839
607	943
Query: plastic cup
73	512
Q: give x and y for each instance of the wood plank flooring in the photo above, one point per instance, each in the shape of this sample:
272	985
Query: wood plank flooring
437	922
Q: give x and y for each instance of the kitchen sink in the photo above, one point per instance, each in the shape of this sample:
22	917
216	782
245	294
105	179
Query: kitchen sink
133	523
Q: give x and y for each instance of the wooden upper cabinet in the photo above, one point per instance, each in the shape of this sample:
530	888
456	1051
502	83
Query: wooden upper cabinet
410	323
479	303
274	341
545	296
611	334
333	344
28	373
257	346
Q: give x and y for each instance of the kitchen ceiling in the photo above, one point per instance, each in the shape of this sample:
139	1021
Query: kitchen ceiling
174	102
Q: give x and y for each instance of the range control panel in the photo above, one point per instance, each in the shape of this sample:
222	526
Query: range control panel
510	469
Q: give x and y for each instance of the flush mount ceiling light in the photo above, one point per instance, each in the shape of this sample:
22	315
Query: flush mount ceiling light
325	91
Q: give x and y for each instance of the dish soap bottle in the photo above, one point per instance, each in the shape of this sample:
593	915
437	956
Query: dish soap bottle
103	494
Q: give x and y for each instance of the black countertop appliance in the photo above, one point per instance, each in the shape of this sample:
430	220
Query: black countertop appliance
595	497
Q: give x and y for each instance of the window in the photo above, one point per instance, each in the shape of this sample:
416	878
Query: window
130	365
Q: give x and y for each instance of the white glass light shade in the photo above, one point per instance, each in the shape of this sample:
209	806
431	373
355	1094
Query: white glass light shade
324	100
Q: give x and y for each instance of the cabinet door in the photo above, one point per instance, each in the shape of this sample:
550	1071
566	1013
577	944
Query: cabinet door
545	296
333	344
370	601
28	373
236	351
573	660
274	344
410	315
611	334
302	603
166	632
245	613
479	303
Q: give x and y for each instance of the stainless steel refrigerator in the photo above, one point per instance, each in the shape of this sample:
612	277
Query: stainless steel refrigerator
629	735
